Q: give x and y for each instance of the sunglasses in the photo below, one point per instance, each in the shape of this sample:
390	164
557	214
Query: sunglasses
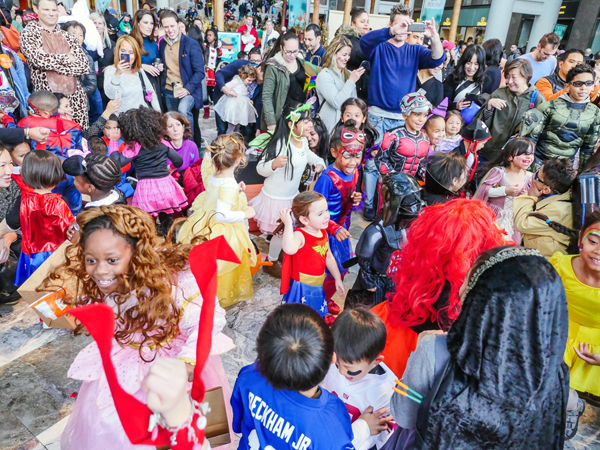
582	83
538	179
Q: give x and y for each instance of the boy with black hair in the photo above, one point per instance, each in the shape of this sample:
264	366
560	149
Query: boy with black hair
277	402
360	378
546	213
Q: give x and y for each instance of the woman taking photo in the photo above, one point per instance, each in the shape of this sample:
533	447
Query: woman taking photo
335	84
127	80
359	26
143	30
283	85
467	78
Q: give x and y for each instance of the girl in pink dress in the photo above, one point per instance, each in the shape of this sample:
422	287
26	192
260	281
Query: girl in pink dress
157	306
507	179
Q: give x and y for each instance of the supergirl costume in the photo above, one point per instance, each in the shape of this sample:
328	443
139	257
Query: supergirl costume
303	274
43	219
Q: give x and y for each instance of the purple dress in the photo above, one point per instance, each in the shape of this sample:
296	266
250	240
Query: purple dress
188	151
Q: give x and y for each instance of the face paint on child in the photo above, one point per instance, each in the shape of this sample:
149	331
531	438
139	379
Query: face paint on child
348	157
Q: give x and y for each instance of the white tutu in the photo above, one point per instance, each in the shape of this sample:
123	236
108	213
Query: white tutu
236	110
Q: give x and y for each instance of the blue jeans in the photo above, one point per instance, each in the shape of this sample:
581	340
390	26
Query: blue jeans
183	105
381	124
370	176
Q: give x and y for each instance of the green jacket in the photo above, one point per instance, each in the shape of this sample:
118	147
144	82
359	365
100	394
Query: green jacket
506	122
561	128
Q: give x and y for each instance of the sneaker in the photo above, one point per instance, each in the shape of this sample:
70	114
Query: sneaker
9	299
368	214
333	308
274	270
573	420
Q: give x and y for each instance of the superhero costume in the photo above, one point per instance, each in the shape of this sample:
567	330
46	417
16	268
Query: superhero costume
303	274
402	197
402	151
64	135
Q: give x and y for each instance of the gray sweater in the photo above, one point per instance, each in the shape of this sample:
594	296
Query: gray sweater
332	92
130	87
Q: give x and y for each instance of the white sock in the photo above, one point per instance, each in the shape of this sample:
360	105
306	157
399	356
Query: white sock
275	247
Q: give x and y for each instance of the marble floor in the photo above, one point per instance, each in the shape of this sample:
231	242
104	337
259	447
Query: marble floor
36	397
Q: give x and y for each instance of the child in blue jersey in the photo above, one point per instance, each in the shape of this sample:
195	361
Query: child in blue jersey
338	185
360	378
277	402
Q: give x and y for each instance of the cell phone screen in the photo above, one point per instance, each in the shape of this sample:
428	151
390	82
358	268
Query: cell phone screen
125	57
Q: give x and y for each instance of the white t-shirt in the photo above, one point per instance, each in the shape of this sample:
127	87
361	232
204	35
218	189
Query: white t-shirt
375	390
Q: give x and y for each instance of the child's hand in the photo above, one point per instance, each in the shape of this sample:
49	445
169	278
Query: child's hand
278	162
286	217
339	287
112	106
585	354
374	153
73	232
356	198
319	168
249	212
376	423
166	384
511	191
342	234
242	186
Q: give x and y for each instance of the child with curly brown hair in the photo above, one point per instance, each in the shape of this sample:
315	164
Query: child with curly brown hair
223	209
157	305
156	192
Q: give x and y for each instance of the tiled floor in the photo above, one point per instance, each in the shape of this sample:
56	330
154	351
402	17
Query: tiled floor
36	397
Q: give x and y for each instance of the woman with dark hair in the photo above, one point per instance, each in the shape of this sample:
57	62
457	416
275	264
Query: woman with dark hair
144	27
493	73
467	78
500	369
283	85
359	26
430	82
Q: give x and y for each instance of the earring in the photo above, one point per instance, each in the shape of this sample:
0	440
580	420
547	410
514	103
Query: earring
580	249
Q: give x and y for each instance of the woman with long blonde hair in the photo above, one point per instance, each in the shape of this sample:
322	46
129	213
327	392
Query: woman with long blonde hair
336	84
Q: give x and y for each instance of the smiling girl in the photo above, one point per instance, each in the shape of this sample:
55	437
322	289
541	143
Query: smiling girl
335	83
581	277
507	179
157	306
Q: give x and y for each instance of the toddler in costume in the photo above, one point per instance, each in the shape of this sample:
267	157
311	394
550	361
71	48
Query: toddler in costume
282	163
454	124
223	209
338	185
42	217
307	253
235	107
156	192
295	350
157	306
507	179
17	154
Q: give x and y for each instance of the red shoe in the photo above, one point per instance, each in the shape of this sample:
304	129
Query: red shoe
333	308
329	319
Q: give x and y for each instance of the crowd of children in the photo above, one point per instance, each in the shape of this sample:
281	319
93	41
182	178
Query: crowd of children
476	276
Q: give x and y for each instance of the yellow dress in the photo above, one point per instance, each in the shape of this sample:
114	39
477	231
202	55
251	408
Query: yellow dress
584	325
234	280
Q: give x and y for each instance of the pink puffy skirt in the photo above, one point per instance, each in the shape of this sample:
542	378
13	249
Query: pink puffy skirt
156	195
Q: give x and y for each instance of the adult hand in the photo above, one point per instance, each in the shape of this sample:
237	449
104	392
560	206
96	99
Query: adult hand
463	104
279	162
431	30
122	66
39	134
356	74
511	191
229	92
149	68
182	93
401	27
342	234
374	419
112	107
166	385
496	103
584	353
249	212
271	127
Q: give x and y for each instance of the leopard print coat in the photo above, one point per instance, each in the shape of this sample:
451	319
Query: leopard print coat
39	62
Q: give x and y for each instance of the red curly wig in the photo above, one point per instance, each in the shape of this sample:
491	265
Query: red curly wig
442	244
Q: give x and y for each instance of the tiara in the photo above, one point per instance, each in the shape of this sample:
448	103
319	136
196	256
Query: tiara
502	255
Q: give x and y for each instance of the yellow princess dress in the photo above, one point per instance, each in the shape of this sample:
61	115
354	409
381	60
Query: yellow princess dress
219	211
584	325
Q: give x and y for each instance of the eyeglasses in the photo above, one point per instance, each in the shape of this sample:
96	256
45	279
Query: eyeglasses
537	178
582	83
290	52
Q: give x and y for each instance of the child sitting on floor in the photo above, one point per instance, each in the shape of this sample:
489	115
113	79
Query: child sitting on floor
360	378
277	402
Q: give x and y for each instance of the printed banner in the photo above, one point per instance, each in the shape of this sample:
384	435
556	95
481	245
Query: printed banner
297	13
433	9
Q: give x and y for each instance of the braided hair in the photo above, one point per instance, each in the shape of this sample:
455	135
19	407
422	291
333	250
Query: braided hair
556	226
154	320
99	170
144	126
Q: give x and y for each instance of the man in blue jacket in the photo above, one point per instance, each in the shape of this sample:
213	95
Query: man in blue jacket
225	75
184	63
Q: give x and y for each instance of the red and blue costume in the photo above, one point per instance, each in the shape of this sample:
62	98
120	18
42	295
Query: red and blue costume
303	274
65	134
337	188
402	151
44	222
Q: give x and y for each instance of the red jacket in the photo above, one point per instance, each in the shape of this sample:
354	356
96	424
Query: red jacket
252	32
192	181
